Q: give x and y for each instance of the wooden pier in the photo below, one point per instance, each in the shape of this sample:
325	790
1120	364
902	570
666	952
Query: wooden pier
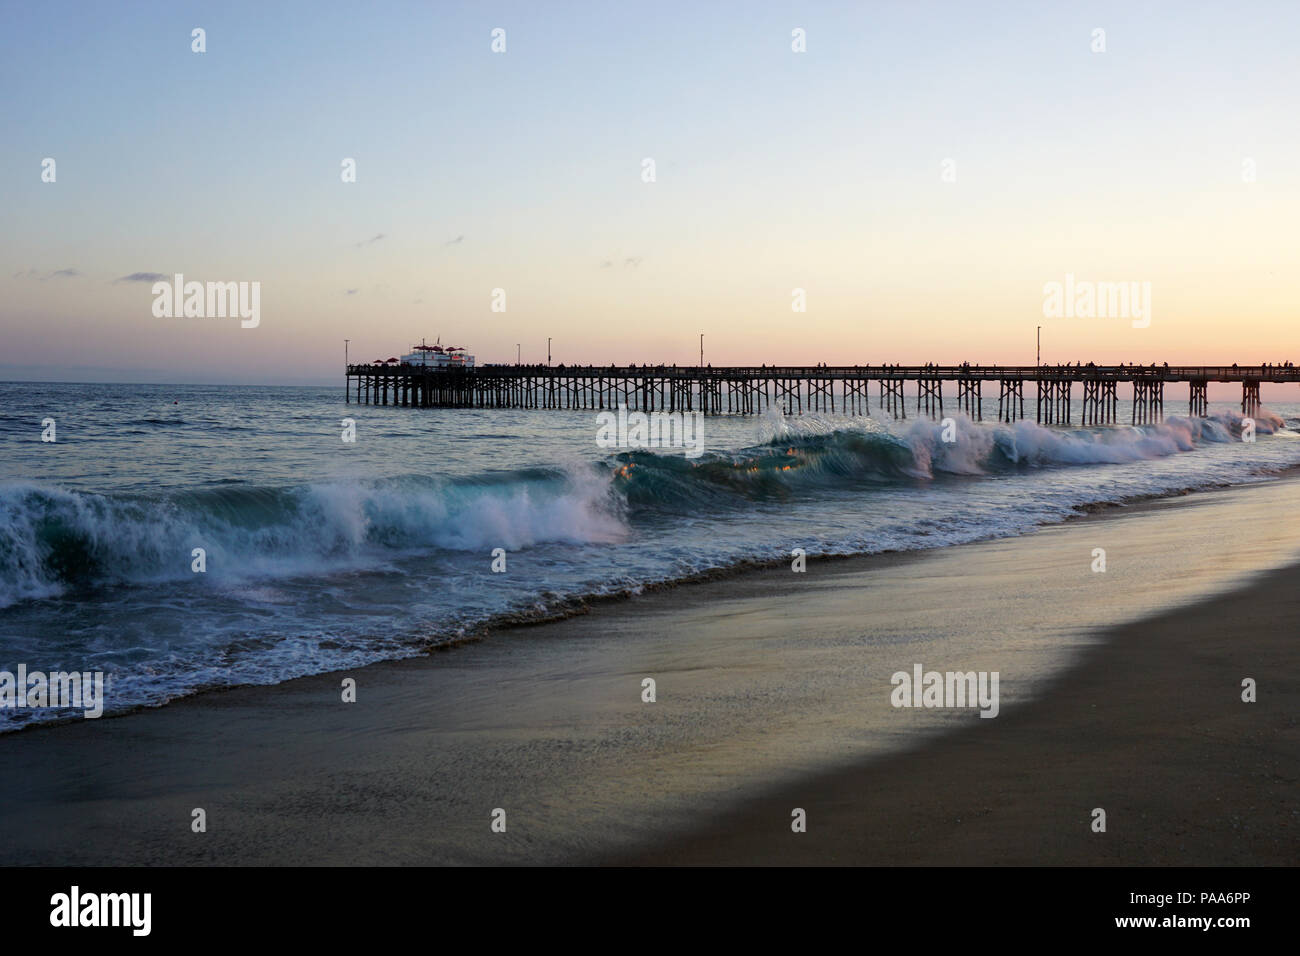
749	390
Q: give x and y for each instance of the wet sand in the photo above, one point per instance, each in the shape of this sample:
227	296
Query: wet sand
773	692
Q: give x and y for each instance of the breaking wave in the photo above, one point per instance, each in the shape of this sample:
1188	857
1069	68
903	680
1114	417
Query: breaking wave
52	539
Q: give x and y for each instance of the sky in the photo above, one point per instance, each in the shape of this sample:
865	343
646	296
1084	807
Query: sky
920	171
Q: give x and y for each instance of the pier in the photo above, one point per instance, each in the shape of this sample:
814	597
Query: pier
749	390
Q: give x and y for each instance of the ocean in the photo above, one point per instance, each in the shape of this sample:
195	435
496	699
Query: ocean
320	554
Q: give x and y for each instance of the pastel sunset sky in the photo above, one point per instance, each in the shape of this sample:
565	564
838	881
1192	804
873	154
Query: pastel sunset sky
1173	157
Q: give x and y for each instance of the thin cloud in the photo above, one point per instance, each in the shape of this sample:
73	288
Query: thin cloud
373	239
456	241
56	274
349	291
144	277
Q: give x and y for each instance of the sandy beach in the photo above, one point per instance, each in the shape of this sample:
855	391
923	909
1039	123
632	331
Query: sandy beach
1119	690
1150	727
